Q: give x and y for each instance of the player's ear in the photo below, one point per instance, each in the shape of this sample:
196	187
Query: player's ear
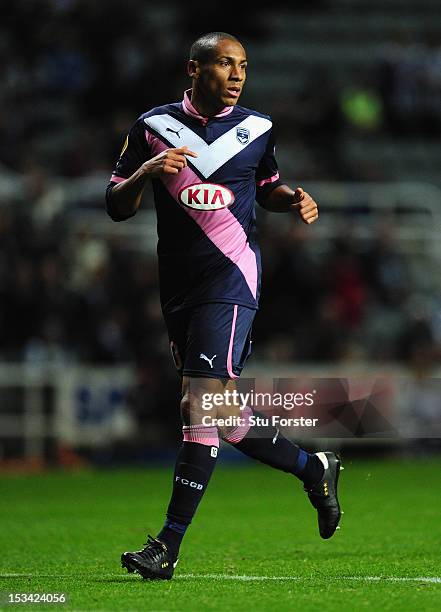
193	69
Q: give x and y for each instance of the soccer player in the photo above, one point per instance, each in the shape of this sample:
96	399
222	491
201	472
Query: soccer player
208	160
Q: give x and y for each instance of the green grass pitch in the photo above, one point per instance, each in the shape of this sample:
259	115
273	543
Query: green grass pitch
254	544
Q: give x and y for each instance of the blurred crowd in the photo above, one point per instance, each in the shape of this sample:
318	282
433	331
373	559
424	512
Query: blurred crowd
73	297
361	300
410	84
74	76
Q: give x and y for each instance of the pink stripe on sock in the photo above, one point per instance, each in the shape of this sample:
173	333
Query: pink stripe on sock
220	226
230	347
240	431
201	434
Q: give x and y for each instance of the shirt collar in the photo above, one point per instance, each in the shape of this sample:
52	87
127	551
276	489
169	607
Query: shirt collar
189	109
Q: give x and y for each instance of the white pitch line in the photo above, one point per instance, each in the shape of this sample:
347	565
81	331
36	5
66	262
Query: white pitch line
244	578
434	579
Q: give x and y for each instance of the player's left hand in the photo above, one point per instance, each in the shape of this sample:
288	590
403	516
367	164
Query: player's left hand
307	207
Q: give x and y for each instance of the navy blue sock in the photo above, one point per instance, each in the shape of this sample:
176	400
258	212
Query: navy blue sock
266	444
172	534
194	466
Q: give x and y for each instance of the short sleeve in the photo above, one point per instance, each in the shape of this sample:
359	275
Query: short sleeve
134	153
267	173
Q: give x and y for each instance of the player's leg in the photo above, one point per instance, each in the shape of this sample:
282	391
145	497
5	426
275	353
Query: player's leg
262	442
319	472
267	444
195	461
193	334
194	465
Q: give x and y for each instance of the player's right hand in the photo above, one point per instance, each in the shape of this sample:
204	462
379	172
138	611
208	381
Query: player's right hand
170	161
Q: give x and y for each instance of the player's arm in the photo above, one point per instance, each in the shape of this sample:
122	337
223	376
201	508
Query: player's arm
284	199
124	198
273	195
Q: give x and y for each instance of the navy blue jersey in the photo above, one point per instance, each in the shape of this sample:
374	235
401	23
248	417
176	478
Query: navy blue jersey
207	247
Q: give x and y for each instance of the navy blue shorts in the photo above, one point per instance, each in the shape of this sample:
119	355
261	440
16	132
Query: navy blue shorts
211	340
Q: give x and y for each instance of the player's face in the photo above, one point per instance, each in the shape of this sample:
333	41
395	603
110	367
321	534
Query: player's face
221	80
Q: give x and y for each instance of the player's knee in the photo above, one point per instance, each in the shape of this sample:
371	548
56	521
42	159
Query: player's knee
185	409
192	409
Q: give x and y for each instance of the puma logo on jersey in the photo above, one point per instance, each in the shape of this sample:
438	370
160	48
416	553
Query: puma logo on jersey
175	131
210	361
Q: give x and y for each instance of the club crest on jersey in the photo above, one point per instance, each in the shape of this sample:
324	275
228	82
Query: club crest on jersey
206	196
242	135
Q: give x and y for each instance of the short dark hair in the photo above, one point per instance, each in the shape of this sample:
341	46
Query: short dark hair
203	48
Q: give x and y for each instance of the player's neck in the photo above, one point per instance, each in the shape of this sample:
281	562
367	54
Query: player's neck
206	108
